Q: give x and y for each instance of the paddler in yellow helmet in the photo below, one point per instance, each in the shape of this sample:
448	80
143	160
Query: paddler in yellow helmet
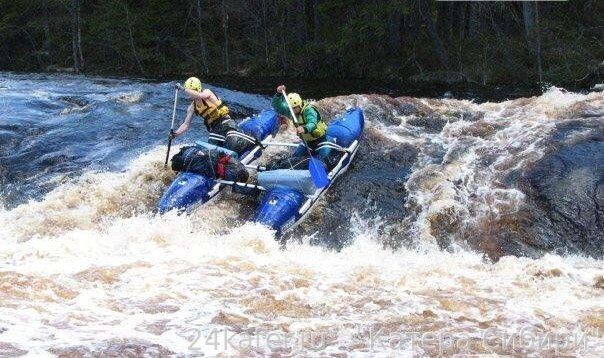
310	126
208	106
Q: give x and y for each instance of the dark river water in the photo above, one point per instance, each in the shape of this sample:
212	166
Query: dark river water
63	124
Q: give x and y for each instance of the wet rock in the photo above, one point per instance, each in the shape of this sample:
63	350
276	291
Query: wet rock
408	109
375	182
157	328
563	206
115	348
478	129
236	321
498	236
431	124
377	108
599	282
566	191
74	100
445	222
10	350
465	115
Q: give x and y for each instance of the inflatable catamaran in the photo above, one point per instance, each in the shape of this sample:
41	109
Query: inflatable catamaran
190	189
290	194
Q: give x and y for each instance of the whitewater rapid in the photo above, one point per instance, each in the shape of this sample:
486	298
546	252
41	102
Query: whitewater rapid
142	283
89	268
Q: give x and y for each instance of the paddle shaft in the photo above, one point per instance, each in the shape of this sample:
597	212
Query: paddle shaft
315	166
171	128
295	119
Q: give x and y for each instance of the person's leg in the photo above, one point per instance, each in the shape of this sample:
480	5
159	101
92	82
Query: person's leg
323	153
221	128
318	151
331	156
235	143
300	151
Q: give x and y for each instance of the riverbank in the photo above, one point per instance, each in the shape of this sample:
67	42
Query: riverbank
317	88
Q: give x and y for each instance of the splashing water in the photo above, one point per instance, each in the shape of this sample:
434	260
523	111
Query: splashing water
89	268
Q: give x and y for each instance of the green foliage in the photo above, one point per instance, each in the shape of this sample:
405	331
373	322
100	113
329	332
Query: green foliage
484	42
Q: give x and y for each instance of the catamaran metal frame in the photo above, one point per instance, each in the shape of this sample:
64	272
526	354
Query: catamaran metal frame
221	184
312	199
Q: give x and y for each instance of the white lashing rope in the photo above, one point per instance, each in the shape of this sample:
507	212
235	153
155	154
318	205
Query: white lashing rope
217	137
241	135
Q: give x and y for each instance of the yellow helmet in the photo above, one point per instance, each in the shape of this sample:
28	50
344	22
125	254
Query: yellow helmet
294	99
193	83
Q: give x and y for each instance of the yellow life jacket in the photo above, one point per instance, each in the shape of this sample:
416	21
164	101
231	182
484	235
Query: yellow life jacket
321	128
210	112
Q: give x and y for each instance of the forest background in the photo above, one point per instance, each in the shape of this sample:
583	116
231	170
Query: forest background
420	41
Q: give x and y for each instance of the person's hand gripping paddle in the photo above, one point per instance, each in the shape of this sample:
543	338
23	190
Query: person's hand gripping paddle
171	135
316	167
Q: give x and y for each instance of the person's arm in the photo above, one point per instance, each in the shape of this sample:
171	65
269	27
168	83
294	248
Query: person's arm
185	125
280	106
206	94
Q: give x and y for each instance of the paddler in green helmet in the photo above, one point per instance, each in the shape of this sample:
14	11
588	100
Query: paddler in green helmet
310	125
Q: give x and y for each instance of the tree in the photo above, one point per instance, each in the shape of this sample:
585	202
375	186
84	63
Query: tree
530	12
225	26
424	10
131	37
76	36
202	44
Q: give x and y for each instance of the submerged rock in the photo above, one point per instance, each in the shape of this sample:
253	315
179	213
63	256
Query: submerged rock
117	347
566	190
513	178
11	350
430	124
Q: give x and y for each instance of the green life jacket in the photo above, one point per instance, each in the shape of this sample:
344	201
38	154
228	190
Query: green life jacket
321	128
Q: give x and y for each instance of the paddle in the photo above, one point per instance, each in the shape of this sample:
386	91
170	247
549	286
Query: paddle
171	128
315	166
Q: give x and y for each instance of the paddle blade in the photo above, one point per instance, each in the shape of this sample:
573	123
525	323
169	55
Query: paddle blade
318	173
